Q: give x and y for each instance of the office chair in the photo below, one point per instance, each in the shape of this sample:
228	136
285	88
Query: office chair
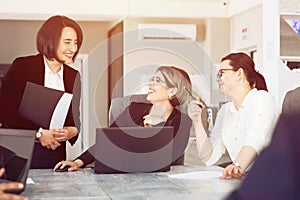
118	105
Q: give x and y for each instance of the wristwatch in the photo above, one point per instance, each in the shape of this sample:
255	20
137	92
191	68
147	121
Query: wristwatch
39	133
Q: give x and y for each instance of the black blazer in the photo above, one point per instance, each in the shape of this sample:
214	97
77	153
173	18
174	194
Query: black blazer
31	68
133	116
291	102
275	173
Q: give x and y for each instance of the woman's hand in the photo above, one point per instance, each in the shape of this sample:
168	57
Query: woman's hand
64	134
195	111
10	186
233	171
2	171
47	140
74	165
150	120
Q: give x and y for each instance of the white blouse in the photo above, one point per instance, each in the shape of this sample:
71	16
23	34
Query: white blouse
54	80
251	125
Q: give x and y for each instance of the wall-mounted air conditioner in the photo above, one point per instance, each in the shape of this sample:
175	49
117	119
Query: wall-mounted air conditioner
167	32
292	62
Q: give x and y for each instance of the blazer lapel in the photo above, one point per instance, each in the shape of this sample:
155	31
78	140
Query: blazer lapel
67	80
38	75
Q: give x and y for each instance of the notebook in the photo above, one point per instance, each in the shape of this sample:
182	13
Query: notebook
133	149
44	106
16	147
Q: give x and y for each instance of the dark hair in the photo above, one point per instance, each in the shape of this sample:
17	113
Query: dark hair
242	60
178	78
47	39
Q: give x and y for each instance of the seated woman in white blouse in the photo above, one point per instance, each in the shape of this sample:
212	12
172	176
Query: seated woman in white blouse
243	126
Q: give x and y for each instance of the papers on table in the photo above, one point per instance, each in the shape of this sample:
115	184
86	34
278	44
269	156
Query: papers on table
29	181
199	175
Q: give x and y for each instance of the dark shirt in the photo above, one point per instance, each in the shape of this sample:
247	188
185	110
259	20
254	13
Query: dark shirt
32	68
133	116
275	173
291	102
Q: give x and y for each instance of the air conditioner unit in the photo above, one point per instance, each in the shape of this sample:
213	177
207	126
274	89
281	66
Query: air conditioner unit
167	31
292	62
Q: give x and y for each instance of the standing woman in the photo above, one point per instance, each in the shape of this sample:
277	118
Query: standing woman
58	42
243	126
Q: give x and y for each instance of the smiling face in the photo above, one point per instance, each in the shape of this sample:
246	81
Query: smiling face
158	89
226	78
67	45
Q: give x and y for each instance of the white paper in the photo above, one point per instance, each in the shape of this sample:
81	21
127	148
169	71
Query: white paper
29	181
60	112
202	175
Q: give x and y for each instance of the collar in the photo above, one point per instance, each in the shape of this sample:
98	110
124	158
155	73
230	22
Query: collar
247	100
48	70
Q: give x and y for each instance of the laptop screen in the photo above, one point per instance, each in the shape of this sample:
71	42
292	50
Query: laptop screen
133	149
16	147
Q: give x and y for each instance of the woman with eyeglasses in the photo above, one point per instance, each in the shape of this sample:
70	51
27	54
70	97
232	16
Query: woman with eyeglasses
165	93
244	126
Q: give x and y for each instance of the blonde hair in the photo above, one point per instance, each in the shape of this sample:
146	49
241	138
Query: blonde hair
179	79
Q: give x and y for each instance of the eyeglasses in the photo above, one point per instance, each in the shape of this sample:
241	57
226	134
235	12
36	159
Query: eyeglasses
157	80
221	72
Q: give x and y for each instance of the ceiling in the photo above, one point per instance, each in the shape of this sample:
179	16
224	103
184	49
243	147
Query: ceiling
116	10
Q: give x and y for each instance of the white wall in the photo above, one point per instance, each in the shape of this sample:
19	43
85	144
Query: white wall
288	79
97	91
217	45
94	10
240	6
252	39
176	8
271	46
18	37
141	58
281	77
262	25
289	6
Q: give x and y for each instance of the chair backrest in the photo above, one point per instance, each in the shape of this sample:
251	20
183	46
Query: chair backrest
118	105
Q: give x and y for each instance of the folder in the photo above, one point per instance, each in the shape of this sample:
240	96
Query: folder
46	107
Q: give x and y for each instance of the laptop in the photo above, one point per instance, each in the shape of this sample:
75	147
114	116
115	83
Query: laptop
133	149
16	148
